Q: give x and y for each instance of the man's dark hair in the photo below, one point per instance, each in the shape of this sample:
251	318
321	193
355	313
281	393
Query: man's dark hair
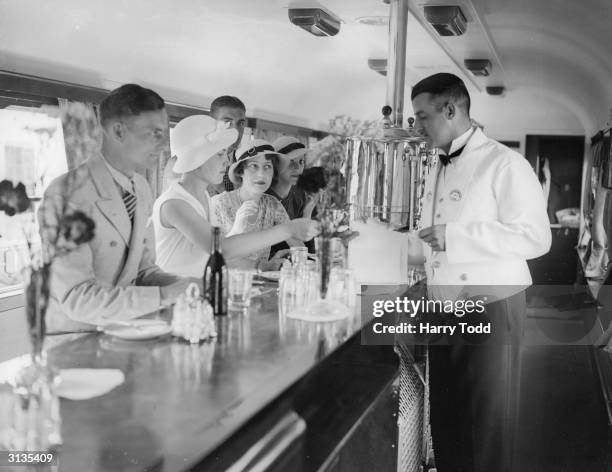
226	101
129	100
312	179
444	85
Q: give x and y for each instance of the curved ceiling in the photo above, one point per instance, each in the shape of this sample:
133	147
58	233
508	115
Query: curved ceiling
554	58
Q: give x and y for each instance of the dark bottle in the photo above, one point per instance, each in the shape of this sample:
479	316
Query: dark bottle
215	277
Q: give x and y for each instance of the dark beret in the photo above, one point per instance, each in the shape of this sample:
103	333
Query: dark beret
437	84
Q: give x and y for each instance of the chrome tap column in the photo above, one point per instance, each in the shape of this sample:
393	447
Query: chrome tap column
385	169
385	173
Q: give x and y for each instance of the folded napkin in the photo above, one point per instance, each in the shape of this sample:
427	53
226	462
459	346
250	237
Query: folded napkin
379	255
82	384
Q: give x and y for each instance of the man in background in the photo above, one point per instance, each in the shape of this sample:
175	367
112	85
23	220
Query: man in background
230	112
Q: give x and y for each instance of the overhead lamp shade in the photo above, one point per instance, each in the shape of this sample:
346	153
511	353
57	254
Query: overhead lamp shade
496	90
446	20
478	67
315	20
378	65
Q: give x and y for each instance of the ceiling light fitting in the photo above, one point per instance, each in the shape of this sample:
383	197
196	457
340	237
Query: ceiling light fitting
478	67
315	20
496	90
447	20
378	65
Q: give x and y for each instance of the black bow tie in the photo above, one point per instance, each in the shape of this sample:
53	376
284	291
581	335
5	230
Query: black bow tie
446	158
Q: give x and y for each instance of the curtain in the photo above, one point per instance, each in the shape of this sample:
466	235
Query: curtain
596	207
82	131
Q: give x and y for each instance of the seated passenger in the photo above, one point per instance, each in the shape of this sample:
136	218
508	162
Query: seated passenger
249	208
290	167
114	276
182	214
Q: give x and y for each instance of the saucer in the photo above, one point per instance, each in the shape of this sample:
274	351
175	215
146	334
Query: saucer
138	330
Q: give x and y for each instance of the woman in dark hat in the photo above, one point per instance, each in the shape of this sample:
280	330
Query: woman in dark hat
249	208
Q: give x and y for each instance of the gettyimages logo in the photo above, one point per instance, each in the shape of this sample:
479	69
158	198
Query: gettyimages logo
501	315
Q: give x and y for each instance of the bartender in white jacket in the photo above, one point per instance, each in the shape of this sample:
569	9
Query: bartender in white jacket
483	216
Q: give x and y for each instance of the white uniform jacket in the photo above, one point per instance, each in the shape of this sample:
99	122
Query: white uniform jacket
492	204
114	276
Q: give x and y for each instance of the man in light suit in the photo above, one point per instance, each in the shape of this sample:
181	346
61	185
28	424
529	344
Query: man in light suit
483	215
114	276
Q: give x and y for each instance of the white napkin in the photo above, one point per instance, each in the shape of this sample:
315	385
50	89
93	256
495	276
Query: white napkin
380	255
82	384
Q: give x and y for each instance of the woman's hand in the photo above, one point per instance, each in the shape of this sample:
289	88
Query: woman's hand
276	262
245	216
311	203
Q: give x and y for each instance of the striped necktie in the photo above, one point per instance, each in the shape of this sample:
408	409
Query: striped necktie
129	200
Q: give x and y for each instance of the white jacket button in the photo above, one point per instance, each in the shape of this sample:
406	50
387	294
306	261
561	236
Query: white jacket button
463	277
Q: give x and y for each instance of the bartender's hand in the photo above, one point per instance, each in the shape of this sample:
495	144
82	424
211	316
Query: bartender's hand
435	237
247	213
169	293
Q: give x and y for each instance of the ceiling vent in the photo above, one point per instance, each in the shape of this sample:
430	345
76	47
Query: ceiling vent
478	67
315	20
378	65
447	20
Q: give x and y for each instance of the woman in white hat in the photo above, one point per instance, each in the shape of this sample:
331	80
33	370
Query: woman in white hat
249	208
181	215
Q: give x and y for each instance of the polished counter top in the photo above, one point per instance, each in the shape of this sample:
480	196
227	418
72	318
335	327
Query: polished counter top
181	401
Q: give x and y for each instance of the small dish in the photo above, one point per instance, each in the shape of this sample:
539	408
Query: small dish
138	330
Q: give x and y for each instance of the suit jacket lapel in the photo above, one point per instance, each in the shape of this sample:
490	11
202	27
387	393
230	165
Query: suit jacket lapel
110	202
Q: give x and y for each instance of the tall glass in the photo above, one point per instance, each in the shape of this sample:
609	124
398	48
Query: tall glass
299	255
239	290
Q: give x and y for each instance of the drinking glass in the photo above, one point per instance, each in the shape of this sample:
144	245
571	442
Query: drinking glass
342	286
239	290
299	255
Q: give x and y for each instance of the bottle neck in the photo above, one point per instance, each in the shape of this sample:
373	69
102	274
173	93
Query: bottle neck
216	246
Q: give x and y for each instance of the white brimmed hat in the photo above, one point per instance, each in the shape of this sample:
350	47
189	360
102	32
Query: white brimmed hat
248	150
290	147
196	139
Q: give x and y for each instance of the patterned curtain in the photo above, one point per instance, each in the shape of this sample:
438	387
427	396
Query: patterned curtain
82	131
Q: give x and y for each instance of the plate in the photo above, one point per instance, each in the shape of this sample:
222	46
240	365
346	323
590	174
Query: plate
138	330
271	275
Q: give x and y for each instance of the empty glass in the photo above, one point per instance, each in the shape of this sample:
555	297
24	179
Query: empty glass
298	287
342	286
299	256
239	289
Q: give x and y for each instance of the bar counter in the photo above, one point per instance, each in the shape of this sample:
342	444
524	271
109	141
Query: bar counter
271	393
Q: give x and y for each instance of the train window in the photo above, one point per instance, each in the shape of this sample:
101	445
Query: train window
32	152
